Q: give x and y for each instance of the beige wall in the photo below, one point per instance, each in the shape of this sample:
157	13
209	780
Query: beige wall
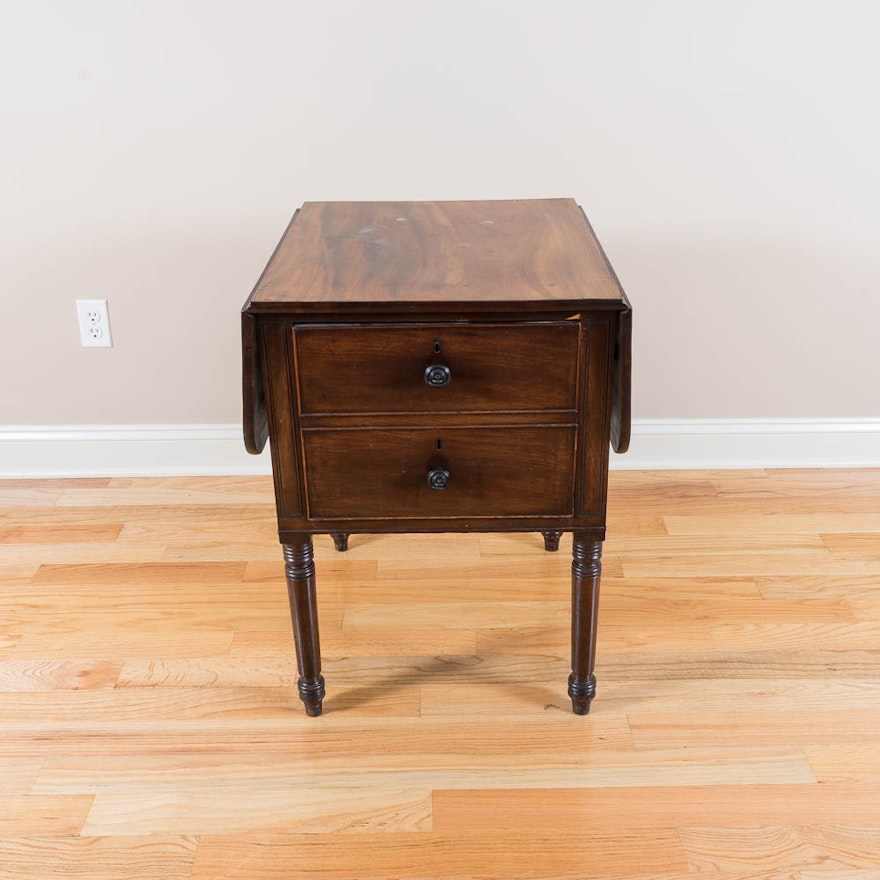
152	152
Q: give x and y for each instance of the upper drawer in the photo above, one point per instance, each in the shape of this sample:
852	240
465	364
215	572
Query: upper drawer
437	367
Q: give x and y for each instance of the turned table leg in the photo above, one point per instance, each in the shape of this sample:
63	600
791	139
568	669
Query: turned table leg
299	567
340	539
586	568
551	541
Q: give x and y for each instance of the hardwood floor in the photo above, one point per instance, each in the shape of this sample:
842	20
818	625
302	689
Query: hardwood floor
150	727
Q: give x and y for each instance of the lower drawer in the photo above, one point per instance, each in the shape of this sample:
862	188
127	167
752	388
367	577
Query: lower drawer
455	472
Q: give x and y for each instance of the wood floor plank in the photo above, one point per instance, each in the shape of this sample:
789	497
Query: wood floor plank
228	550
229	808
37	815
613	638
380	769
631	809
842	586
222	671
172	490
831	695
757	725
198	527
16	574
849	667
149	599
773	524
721	545
638	696
503	739
865	607
55	483
449	670
18	775
466	615
394	682
480	853
84	553
798	638
844	761
117	644
631	488
233	516
861	543
391	641
805	846
129	708
794	501
680	477
807	478
33	615
26	493
842	874
62	534
483	581
799	481
511	697
52	675
718	611
166	573
642	591
97	858
812	562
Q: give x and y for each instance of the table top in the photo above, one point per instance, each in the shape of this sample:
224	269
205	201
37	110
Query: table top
514	251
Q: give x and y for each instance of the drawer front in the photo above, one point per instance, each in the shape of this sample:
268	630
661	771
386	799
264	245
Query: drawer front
475	472
437	367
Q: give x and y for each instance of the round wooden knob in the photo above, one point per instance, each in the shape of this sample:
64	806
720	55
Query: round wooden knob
438	478
437	375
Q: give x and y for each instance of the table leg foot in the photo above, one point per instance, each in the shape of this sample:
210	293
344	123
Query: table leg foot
299	568
312	695
586	570
340	539
551	541
581	693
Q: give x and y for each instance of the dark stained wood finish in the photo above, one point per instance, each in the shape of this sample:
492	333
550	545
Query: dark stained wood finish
492	367
427	419
551	541
283	419
511	430
256	427
340	540
620	411
596	409
429	252
299	568
586	570
516	471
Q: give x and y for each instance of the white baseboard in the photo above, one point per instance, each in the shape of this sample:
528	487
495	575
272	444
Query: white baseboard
659	444
127	451
169	450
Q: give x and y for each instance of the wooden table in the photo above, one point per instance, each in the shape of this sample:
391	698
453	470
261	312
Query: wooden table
438	367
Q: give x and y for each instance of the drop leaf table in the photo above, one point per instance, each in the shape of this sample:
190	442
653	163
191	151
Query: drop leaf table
438	367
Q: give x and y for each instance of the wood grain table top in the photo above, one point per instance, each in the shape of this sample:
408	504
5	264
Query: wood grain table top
516	251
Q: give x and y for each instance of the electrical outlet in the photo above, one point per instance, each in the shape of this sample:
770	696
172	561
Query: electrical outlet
94	323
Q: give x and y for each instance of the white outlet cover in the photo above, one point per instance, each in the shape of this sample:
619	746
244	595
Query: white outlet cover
94	323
